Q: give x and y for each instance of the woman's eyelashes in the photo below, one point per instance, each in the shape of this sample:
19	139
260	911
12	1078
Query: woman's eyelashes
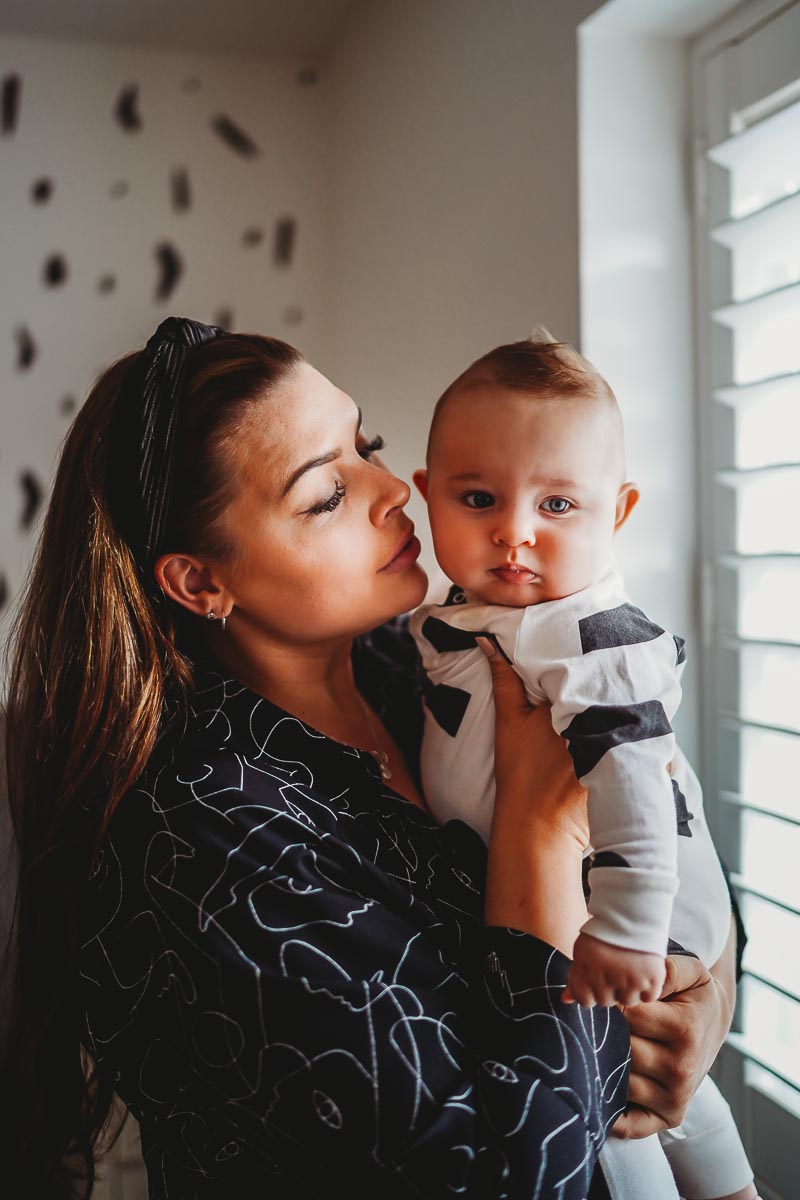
340	489
333	501
370	448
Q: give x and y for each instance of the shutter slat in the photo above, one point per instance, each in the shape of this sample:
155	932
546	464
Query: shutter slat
762	144
737	801
777	220
738	395
779	301
742	885
741	1043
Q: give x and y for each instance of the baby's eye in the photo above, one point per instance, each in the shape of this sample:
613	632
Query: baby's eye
478	499
369	448
558	505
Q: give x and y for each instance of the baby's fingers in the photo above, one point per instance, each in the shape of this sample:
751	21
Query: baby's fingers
578	990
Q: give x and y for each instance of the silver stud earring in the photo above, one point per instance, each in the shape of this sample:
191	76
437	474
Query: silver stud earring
212	616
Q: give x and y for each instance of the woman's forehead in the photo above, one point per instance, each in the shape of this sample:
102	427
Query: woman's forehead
306	417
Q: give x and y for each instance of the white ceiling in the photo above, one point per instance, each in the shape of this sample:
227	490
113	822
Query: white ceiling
274	28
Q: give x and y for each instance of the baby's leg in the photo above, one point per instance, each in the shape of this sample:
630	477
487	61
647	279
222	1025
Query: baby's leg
637	1169
706	1153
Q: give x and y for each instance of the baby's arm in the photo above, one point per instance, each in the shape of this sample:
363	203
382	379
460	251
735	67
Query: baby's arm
613	703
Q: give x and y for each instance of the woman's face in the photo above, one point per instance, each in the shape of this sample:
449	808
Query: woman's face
323	546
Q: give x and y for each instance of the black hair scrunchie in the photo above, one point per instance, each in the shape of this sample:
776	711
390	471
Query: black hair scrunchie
144	425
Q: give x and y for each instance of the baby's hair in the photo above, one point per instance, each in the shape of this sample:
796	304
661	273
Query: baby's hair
536	366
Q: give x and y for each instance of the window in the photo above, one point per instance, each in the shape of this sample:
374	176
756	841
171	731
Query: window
746	80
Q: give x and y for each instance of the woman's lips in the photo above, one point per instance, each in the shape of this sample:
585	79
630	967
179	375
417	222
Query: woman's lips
517	575
405	555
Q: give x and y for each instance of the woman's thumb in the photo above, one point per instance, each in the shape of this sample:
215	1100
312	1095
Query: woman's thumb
506	684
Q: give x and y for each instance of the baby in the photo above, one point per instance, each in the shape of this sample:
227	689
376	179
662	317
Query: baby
525	486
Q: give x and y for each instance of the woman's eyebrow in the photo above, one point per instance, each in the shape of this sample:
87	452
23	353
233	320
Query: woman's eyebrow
321	461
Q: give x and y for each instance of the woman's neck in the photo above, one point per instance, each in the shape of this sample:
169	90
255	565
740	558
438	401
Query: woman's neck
313	682
316	684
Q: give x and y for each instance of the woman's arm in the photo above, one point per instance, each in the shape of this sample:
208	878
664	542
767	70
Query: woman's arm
675	1040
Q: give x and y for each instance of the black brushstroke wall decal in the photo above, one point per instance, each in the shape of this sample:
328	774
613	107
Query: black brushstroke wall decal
234	136
106	283
9	103
55	270
252	236
26	348
293	315
41	191
126	110
283	245
118	188
224	318
170	267
181	190
32	496
307	77
67	406
3	590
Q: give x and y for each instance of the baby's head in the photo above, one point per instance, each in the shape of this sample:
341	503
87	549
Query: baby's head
525	479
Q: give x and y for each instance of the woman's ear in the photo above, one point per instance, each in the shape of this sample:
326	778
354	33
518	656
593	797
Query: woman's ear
189	582
420	478
627	498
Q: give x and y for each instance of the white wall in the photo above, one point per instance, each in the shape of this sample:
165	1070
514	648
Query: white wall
67	132
636	310
453	135
442	219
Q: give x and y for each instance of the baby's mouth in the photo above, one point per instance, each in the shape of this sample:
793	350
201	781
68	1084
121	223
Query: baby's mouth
514	573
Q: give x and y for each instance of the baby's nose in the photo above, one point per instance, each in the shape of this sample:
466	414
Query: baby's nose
514	532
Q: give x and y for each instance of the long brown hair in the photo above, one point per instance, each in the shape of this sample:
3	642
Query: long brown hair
100	672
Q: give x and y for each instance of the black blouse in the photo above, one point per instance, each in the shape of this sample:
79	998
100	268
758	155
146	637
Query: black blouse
286	974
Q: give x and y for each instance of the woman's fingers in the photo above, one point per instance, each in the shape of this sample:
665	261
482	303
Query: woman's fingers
531	760
508	688
637	1122
671	1051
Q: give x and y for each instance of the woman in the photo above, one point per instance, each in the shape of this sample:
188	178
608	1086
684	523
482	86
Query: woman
231	891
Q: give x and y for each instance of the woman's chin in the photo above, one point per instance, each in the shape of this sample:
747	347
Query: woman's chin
409	591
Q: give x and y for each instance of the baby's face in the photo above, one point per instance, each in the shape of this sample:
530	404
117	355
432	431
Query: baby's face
524	494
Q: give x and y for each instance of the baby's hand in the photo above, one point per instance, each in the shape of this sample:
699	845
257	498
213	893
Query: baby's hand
608	975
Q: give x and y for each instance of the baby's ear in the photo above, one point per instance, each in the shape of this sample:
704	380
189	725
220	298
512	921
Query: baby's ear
420	478
627	497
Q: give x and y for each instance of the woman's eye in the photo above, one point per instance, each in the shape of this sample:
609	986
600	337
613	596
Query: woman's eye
369	448
478	500
332	502
557	505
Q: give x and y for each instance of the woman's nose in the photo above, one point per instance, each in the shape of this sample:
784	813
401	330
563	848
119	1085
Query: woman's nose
391	493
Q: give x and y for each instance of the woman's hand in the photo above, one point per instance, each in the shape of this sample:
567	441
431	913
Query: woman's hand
674	1041
532	768
540	825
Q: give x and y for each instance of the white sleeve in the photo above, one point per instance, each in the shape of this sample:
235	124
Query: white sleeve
613	704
